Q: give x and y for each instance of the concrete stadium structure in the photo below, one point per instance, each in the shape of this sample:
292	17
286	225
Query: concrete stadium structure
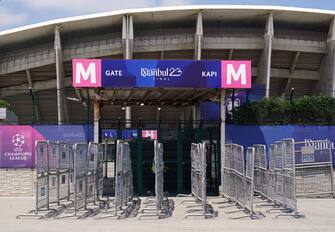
289	48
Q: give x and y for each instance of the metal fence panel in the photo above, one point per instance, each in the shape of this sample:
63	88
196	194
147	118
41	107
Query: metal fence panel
261	170
279	177
92	164
239	175
129	173
249	179
54	182
198	181
64	170
42	176
272	174
99	172
289	190
314	169
227	171
80	166
159	174
119	178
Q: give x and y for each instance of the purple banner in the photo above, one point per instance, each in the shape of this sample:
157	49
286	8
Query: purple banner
17	146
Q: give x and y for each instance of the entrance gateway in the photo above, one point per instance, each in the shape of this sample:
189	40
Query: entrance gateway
131	85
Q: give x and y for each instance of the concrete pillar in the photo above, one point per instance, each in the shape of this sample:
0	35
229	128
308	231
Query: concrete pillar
96	120
223	133
264	65
62	112
127	47
127	37
31	86
199	32
326	83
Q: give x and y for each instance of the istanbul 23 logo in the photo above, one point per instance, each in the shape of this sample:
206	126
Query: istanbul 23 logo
18	140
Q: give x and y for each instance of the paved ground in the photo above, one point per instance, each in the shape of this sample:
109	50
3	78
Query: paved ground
320	215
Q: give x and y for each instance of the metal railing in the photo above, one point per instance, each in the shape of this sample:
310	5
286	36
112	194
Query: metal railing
282	178
314	168
123	204
68	178
160	206
261	176
239	177
199	183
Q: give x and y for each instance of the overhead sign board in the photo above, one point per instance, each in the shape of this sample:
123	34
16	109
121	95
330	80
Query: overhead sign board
161	73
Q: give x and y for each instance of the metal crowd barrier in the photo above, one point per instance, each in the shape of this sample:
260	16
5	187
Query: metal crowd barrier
234	173
53	163
91	171
198	183
314	168
249	186
239	177
99	170
68	178
261	177
123	204
282	178
160	206
80	160
277	183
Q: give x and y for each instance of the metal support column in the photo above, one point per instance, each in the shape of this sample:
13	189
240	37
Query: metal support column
198	38
127	47
223	133
96	120
128	117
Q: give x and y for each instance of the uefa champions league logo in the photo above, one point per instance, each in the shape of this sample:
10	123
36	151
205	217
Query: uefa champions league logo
18	140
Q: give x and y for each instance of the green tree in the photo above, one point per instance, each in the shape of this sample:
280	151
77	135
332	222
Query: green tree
3	104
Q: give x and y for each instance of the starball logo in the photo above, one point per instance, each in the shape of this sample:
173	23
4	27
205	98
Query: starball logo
18	153
18	140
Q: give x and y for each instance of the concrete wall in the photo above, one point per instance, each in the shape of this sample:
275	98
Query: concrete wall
17	182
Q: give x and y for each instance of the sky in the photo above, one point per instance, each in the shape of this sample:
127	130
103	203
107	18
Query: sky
16	13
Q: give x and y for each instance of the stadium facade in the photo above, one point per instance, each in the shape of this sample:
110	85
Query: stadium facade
290	48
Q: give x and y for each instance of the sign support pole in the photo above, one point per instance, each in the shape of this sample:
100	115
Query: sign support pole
223	133
96	119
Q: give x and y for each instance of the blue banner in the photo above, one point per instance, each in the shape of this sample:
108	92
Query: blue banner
67	133
250	135
161	73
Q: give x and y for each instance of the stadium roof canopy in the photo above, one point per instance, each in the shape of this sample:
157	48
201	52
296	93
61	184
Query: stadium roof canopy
289	48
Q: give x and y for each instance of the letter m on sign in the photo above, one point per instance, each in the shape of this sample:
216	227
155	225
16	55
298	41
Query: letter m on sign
86	73
236	74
